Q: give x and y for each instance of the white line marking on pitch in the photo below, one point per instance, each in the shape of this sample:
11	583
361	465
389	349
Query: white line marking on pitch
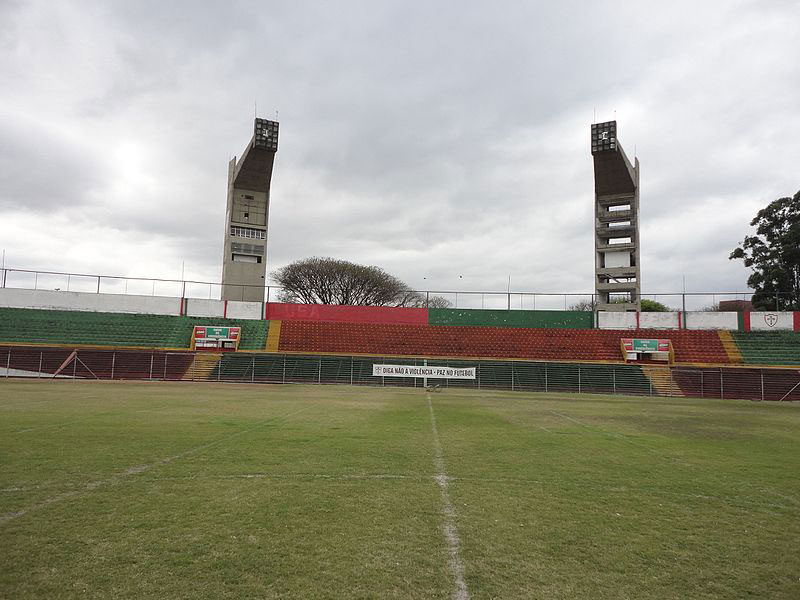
449	525
136	470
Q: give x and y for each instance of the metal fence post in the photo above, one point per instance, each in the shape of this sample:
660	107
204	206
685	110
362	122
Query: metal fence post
579	375
39	373
113	363
351	370
702	385
98	284
253	370
319	372
74	365
284	369
166	357
614	379
512	376
545	377
152	355
762	384
721	385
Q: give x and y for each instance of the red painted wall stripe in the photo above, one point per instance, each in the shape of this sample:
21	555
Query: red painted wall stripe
346	314
797	320
225	310
638	314
746	319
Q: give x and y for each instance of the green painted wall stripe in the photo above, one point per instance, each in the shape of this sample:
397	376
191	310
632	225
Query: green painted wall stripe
540	319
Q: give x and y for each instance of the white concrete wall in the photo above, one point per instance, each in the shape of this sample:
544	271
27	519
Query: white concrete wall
616	320
198	307
123	303
115	303
245	310
669	320
771	321
658	320
712	320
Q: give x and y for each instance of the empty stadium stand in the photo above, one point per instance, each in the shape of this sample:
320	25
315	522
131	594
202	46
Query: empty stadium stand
76	328
488	342
768	347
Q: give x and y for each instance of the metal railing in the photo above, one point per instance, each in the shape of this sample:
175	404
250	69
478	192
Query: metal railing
526	376
187	288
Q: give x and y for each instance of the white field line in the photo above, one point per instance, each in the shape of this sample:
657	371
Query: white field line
136	470
449	525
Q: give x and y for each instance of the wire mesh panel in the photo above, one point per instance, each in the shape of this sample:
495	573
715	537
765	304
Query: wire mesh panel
133	365
362	371
597	379
689	382
24	362
234	367
630	380
780	384
301	369
530	377
562	377
647	380
744	383
488	375
335	369
267	368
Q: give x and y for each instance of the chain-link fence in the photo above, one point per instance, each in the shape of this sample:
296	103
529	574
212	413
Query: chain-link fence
506	300
528	376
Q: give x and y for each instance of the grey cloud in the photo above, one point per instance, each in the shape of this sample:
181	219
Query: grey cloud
446	142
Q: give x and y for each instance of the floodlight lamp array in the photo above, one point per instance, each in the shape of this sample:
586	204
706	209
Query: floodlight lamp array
604	136
266	134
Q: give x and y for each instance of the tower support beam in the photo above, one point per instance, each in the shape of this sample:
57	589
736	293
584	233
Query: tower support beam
616	222
244	259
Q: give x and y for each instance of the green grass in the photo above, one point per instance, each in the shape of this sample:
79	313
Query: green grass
135	490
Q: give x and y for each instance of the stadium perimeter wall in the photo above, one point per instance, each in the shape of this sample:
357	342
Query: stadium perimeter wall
723	382
346	314
731	321
537	319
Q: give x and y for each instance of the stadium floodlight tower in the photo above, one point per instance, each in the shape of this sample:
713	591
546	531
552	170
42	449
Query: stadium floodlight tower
616	222
244	263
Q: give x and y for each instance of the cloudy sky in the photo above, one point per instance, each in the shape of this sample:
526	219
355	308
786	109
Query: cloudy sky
447	142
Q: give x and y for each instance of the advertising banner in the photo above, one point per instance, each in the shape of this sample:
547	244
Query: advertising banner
429	372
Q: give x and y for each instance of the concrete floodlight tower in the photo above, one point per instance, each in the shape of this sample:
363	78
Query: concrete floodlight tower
616	222
244	262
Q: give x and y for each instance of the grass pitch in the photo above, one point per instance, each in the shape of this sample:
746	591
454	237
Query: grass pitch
134	490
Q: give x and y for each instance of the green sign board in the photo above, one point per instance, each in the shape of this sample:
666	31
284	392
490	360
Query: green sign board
645	345
205	332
